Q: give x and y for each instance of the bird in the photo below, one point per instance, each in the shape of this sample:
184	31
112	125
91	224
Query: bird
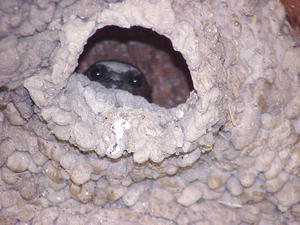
117	74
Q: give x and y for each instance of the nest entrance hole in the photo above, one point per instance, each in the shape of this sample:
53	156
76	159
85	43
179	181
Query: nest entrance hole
164	68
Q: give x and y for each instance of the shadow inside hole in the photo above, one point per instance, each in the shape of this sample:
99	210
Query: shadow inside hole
164	68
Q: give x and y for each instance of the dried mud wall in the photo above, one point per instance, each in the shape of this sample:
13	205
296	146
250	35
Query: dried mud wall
73	152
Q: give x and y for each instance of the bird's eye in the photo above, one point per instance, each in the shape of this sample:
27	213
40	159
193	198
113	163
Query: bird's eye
98	71
136	81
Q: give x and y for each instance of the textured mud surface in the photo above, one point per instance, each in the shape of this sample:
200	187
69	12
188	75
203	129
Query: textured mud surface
73	152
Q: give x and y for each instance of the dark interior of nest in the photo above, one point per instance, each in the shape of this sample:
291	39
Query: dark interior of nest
164	68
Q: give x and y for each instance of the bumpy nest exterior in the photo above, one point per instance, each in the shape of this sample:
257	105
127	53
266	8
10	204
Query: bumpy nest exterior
72	151
92	121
